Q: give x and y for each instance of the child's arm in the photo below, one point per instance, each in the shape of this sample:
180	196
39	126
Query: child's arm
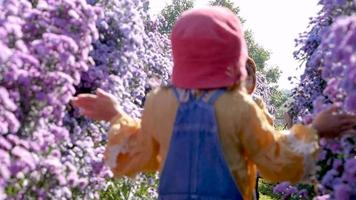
259	101
287	155
131	146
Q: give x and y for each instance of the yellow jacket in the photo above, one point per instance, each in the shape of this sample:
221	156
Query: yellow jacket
248	141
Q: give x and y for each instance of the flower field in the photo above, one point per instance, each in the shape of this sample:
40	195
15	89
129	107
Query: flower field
52	50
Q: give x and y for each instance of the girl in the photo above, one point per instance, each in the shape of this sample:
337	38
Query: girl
205	134
250	85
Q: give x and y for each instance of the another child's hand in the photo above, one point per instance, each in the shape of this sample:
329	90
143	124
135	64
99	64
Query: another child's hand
331	124
99	106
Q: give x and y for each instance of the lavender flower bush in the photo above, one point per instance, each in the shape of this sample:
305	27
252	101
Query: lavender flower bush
329	52
53	50
46	47
131	58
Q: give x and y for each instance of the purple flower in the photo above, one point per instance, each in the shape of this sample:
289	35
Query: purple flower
13	139
350	171
2	193
72	179
4	172
5	53
53	164
25	156
329	177
337	164
350	102
5	143
60	133
342	192
82	183
285	189
5	100
303	194
323	197
97	166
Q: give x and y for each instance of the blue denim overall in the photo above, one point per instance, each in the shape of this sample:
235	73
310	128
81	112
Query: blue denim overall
195	167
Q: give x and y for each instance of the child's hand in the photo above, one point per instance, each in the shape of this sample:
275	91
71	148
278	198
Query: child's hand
331	124
99	106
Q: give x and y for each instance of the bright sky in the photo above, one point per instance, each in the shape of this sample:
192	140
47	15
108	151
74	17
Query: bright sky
275	24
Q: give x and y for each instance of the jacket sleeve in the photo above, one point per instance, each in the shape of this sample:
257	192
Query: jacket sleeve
279	155
261	104
131	147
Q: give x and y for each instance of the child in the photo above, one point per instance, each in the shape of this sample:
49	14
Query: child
250	84
205	134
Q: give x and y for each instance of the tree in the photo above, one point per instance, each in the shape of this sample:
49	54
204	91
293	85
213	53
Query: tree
171	12
273	74
257	52
228	4
279	99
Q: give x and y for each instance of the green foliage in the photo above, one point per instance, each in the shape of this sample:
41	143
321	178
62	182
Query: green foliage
279	100
279	97
171	12
265	190
142	187
273	74
257	52
228	4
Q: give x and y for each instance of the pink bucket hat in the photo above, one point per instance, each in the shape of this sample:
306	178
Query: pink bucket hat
209	49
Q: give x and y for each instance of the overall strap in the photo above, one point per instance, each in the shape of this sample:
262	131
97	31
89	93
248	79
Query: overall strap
208	97
176	93
183	95
211	97
215	95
